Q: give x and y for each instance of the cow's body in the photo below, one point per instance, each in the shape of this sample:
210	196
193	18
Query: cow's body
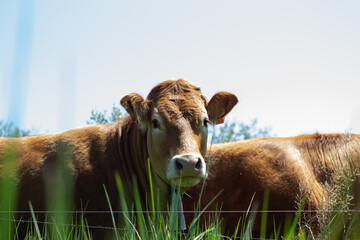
93	154
167	130
290	168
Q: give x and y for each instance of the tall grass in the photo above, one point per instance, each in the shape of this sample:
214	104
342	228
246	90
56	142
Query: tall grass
59	192
8	190
139	220
340	221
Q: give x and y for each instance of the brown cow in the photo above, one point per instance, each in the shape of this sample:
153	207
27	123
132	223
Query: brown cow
290	168
169	128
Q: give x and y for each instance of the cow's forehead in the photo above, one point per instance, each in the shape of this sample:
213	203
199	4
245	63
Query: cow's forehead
172	90
172	108
174	99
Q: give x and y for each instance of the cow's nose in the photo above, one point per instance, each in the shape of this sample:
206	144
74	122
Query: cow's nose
189	164
190	168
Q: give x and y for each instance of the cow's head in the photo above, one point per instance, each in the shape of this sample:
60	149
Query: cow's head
176	117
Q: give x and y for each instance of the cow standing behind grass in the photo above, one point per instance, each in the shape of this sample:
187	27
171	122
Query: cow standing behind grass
169	129
321	169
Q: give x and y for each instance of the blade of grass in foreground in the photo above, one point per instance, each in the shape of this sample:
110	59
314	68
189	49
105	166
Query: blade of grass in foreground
134	228
197	215
198	206
290	233
59	191
194	222
35	222
248	220
264	214
8	190
175	221
153	218
112	214
125	217
140	220
237	228
151	191
201	235
354	227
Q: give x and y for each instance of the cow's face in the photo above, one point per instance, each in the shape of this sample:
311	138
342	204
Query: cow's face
176	117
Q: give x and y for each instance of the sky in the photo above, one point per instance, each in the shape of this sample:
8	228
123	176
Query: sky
295	65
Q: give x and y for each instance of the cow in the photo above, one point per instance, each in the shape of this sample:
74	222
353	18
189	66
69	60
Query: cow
302	172
169	130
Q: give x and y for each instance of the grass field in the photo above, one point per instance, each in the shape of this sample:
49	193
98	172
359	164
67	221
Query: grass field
139	222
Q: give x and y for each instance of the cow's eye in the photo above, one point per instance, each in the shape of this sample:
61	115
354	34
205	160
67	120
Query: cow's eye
206	122
155	123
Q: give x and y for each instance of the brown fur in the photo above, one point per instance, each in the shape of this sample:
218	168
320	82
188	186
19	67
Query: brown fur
289	167
93	154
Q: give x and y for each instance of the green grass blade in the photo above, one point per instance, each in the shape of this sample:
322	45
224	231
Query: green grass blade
198	206
194	222
237	228
134	228
291	232
35	222
112	215
123	204
151	190
138	206
264	214
201	235
59	191
8	189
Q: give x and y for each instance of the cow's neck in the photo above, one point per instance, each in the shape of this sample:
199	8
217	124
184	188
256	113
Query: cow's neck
133	155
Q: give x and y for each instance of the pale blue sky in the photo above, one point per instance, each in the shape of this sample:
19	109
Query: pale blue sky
295	65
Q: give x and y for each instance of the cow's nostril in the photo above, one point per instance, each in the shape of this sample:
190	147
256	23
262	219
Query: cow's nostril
178	165
198	164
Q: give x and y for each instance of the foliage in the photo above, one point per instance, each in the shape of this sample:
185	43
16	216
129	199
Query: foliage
235	131
8	129
98	117
228	132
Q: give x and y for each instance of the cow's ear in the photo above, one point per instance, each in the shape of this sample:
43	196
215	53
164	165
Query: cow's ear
136	106
220	105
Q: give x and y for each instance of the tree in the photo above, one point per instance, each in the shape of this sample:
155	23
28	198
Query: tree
8	129
235	131
228	132
97	117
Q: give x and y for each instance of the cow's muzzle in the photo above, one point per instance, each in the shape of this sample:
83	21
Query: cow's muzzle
190	168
